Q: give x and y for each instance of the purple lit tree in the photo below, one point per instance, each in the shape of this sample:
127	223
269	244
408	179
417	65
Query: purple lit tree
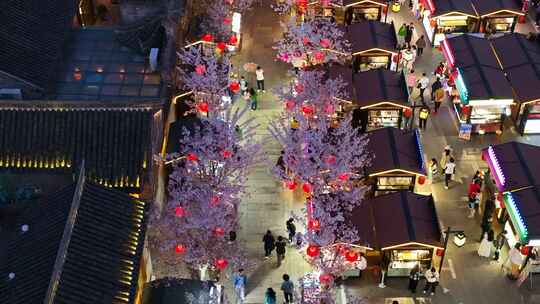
205	187
220	16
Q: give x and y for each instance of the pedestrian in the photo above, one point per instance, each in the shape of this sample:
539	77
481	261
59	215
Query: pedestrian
434	86
433	169
516	260
288	288
432	280
408	37
243	85
422	117
445	156
270	296
361	264
439	70
474	198
269	244
414	277
259	72
280	249
423	83
439	97
499	242
253	99
247	97
484	250
299	240
240	280
478	177
411	81
402	32
407	57
420	45
449	170
291	229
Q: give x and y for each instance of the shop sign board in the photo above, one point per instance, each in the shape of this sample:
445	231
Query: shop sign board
465	131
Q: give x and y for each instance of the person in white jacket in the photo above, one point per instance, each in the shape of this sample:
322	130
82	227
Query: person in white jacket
432	280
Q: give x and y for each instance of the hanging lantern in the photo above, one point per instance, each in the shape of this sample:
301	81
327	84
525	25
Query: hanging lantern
234	86
306	40
229	2
215	200
226	153
221	46
208	38
340	248
421	179
299	88
483	157
314	224
219	231
307	110
329	109
525	250
306	187
313	251
289	104
325	43
179	211
233	40
179	249
200	69
351	256
202	107
319	56
330	159
227	20
325	278
192	157
407	113
291	185
344	176
221	264
439	252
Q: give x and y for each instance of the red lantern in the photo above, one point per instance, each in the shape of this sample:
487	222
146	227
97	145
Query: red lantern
313	251
329	108
325	43
208	38
483	157
525	250
227	20
291	185
221	264
351	256
306	187
203	107
421	179
344	176
179	211
192	157
234	86
325	278
319	56
340	248
200	69
314	224
221	46
331	159
439	252
299	88
226	153
407	113
179	248
230	2
306	40
233	39
219	231
215	200
307	110
289	104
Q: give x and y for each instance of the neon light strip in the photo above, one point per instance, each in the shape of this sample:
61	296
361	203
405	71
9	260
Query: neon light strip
448	52
496	165
431	6
515	215
420	150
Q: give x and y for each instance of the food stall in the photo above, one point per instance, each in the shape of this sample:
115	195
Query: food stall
441	17
373	45
360	10
515	168
497	16
399	162
485	95
384	103
403	229
521	64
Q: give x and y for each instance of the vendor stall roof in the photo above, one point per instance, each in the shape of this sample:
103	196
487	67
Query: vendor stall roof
395	150
514	165
486	8
398	219
82	240
486	83
371	35
380	86
346	74
453	7
524	209
469	50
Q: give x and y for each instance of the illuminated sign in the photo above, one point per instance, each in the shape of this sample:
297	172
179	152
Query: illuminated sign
236	21
462	88
500	179
515	215
448	53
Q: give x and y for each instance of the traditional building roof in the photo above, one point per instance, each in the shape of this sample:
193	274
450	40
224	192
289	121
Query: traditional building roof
83	245
380	86
486	8
32	34
115	143
371	36
358	2
452	7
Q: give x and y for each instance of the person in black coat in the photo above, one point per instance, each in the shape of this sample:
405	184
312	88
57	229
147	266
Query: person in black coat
269	244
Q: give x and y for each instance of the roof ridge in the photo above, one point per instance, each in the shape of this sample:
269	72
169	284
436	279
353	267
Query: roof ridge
407	213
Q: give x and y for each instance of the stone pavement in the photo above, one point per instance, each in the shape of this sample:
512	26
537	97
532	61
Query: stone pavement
466	277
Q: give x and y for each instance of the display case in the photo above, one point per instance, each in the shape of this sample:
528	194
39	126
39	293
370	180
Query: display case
366	63
501	24
383	118
529	118
485	119
387	184
403	260
365	13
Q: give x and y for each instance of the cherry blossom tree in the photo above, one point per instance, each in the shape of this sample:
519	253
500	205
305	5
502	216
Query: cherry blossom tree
205	189
219	16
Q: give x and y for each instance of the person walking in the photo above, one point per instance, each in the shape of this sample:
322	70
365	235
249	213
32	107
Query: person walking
434	86
422	117
439	97
516	260
411	81
361	265
414	277
259	72
407	57
240	280
402	32
445	156
253	99
420	45
432	280
449	170
499	242
423	83
409	35
269	244
288	288
291	229
484	250
243	85
433	169
270	296
280	249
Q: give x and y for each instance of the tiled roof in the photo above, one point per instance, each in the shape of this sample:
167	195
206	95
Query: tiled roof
369	35
380	85
85	240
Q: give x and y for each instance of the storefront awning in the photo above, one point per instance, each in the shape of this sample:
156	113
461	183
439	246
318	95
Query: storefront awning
380	87
487	8
395	151
371	36
399	219
453	8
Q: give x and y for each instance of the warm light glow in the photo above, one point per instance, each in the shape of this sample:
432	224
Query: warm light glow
411	244
396	171
366	1
385	103
374	49
504	11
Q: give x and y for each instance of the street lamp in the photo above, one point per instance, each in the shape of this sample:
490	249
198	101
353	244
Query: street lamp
459	241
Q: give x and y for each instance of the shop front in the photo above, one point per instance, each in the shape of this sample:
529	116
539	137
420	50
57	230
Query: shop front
497	16
384	104
399	163
373	45
442	17
360	10
403	229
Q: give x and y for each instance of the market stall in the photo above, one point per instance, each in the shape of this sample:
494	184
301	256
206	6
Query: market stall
484	94
399	162
521	63
442	17
373	45
403	229
360	10
384	103
497	16
515	167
